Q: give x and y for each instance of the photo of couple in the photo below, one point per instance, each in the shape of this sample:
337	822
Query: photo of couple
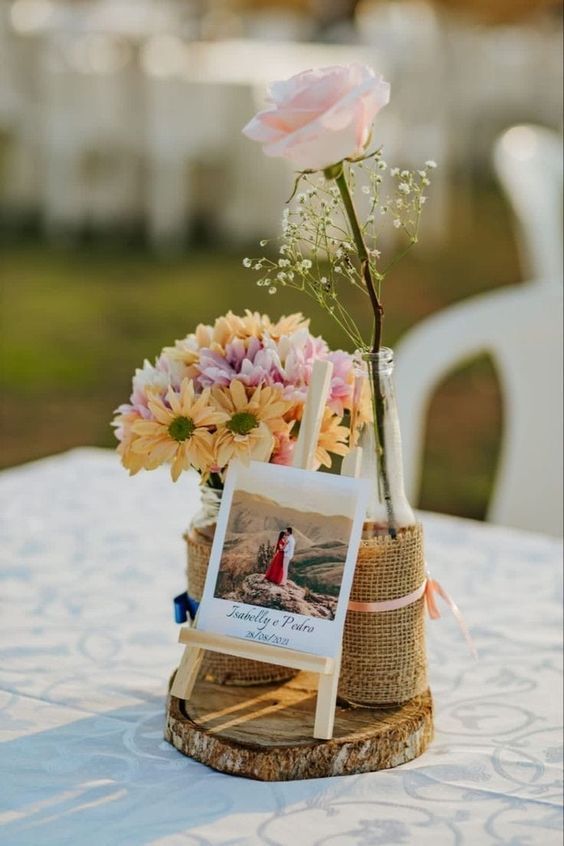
285	550
277	572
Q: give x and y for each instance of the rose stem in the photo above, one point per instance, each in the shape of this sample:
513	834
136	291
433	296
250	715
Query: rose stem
338	174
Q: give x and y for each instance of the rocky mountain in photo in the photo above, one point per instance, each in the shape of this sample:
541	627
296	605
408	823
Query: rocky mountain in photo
256	590
321	544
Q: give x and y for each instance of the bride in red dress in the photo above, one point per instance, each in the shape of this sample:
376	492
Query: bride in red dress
275	572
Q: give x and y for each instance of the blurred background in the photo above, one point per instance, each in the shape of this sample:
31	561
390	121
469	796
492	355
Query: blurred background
128	196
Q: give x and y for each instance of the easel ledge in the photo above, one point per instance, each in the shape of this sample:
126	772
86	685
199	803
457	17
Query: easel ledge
257	651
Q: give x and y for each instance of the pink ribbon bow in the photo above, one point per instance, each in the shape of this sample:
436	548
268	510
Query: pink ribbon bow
431	588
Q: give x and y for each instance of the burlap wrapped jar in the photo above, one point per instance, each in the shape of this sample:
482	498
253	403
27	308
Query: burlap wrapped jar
384	658
224	669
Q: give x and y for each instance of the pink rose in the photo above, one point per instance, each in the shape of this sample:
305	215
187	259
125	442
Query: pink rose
320	117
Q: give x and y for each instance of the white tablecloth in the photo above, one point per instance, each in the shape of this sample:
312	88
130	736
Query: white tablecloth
91	560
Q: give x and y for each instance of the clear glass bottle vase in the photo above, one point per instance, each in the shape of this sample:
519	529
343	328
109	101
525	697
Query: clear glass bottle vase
204	522
376	431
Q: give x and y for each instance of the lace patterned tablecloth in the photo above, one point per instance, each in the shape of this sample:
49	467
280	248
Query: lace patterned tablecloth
90	562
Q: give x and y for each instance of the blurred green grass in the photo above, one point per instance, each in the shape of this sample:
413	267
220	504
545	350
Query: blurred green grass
77	321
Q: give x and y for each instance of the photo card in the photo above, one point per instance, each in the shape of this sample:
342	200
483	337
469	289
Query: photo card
283	557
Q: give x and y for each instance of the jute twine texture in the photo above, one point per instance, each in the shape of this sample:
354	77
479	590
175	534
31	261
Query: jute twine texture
225	669
384	659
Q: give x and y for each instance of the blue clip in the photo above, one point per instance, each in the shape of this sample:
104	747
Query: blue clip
181	608
184	607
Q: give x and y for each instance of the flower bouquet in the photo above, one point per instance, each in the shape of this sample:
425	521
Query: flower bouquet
232	390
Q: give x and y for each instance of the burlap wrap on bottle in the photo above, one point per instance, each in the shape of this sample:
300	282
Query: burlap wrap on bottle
384	660
225	669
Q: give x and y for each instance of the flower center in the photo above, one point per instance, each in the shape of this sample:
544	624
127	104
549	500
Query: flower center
181	428
242	423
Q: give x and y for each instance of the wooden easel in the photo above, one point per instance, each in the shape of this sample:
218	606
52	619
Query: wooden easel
328	668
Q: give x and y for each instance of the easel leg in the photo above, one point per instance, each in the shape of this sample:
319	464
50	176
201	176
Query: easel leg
187	672
326	703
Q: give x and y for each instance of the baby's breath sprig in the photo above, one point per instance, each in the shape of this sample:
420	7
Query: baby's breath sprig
324	248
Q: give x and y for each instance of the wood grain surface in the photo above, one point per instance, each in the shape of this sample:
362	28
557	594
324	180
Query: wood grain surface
265	732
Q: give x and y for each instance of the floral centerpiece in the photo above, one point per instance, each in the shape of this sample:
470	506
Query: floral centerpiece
237	389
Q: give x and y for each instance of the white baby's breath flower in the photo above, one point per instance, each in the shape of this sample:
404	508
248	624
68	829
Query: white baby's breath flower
365	189
422	199
247	262
395	171
382	165
425	182
397	222
404	174
272	290
404	188
430	163
264	242
375	253
257	266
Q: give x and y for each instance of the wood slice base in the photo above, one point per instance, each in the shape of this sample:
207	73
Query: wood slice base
265	732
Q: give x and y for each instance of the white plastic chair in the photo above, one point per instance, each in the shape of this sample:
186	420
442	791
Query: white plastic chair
528	161
521	328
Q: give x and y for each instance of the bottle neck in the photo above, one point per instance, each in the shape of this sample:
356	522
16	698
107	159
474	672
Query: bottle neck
381	362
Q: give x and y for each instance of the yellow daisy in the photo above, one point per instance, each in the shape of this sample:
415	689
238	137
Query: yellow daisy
130	460
287	325
187	350
255	325
179	433
332	438
251	422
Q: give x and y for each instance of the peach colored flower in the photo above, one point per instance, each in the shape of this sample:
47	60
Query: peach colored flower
179	432
187	350
332	439
124	433
255	325
248	432
320	117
